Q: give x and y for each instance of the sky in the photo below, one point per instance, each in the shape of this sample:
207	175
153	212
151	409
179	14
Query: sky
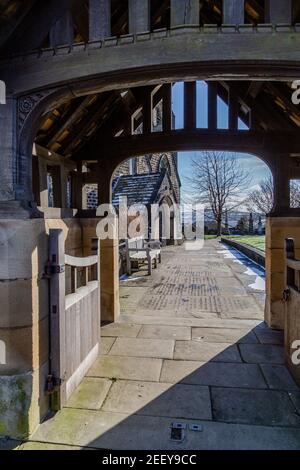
257	168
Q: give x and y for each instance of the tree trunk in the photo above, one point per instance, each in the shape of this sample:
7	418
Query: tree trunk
219	227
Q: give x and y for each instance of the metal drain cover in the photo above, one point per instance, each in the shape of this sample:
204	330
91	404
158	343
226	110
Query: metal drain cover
178	432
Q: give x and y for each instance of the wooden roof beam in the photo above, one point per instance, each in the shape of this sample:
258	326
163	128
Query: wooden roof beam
82	107
31	32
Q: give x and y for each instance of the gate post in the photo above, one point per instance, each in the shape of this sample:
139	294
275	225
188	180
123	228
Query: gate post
108	247
57	381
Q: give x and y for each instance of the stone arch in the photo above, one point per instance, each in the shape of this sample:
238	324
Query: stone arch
29	110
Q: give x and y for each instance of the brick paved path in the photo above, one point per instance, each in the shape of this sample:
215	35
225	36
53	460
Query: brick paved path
190	347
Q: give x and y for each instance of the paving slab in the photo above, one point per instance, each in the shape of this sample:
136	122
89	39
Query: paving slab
268	336
106	344
150	389
90	394
295	397
278	377
206	322
117	431
130	368
262	353
213	374
120	330
258	407
159	399
223	335
168	313
203	352
33	446
165	332
141	347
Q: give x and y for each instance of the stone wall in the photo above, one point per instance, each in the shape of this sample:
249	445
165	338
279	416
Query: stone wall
24	320
277	230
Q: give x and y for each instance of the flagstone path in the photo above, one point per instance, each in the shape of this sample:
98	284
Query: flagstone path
190	348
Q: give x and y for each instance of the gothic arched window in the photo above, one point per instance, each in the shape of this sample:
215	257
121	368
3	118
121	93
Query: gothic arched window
164	164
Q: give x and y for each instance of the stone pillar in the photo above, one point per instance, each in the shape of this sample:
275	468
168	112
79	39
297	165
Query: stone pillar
99	19
24	326
62	32
233	12
109	280
278	11
109	250
185	12
277	230
139	16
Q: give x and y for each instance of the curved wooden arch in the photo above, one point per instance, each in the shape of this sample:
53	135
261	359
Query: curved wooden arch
260	144
178	55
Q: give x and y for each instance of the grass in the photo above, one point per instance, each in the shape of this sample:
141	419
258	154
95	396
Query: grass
257	241
210	237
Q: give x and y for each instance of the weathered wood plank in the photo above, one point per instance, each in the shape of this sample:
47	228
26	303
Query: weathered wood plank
159	60
167	107
148	112
62	32
212	105
233	110
190	105
185	12
81	262
233	11
99	19
278	11
139	16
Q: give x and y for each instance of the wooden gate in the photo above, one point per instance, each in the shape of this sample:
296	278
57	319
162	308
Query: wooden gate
74	319
292	311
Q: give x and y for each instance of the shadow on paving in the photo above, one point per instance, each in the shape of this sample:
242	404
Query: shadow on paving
242	398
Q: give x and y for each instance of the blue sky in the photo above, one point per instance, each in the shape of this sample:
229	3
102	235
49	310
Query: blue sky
254	165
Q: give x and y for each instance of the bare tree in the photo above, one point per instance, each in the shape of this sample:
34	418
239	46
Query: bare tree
262	199
295	193
218	181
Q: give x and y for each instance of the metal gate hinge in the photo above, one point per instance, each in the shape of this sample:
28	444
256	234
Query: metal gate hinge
51	384
52	268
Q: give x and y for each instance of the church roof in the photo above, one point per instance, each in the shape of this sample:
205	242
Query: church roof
139	189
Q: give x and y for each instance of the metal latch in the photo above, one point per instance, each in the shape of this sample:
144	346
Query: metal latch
286	295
